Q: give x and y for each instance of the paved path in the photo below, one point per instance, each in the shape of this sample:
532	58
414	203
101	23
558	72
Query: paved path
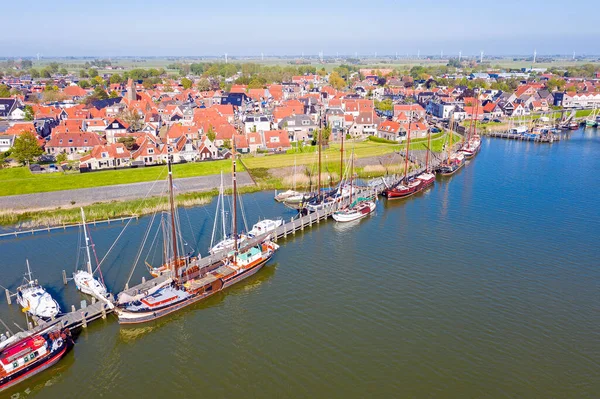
121	192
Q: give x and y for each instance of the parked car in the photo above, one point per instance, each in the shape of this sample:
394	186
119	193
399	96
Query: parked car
435	130
497	120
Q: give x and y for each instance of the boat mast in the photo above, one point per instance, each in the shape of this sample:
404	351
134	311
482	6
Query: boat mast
342	159
234	183
407	145
87	242
320	148
351	174
172	204
28	270
428	149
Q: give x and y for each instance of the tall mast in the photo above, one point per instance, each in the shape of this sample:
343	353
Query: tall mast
407	144
28	269
428	149
173	228
351	174
342	159
320	148
87	242
234	182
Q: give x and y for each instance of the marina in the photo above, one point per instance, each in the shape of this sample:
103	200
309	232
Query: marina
293	265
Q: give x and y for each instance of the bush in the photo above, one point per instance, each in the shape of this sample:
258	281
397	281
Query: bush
380	140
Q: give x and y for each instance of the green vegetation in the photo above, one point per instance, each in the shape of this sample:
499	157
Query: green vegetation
26	148
22	181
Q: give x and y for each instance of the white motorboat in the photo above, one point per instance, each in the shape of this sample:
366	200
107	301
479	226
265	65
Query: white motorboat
34	299
264	226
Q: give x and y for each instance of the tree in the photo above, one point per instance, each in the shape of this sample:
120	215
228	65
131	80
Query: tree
63	71
4	91
26	64
203	85
26	148
113	94
186	83
92	73
132	118
62	157
129	142
46	73
29	114
211	134
385	105
336	81
116	79
83	74
227	144
325	134
84	84
35	74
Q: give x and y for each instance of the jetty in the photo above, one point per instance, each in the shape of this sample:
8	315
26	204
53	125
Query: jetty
536	138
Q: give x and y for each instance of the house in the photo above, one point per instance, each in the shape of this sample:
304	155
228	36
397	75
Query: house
18	113
257	123
364	125
277	140
416	110
149	152
389	130
74	92
114	127
106	157
299	127
241	143
255	141
207	150
7	105
72	144
184	149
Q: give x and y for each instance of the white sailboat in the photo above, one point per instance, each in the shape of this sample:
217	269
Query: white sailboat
34	299
360	208
227	242
84	279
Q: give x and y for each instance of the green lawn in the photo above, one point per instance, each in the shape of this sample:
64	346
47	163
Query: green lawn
22	181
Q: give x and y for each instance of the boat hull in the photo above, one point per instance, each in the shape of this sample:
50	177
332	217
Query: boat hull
126	317
36	367
399	193
349	217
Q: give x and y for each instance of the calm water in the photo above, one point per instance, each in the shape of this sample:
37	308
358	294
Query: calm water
486	286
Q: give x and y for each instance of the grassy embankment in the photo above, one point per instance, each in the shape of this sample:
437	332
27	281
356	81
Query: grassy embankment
21	181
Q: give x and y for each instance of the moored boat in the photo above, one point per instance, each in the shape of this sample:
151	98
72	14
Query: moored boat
359	209
84	279
34	299
32	355
188	285
263	227
403	190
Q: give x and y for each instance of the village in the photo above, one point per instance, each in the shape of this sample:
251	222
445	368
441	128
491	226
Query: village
134	118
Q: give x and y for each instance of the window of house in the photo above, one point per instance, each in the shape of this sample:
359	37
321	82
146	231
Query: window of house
150	150
105	155
115	125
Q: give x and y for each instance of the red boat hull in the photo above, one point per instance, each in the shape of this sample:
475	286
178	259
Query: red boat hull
403	192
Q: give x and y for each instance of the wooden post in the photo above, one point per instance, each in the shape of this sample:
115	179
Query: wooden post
143	279
64	274
93	300
8	298
29	325
83	320
103	313
73	308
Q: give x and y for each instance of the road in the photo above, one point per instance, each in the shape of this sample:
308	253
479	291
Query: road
122	192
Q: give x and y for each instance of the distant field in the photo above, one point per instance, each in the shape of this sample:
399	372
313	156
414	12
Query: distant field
368	62
22	181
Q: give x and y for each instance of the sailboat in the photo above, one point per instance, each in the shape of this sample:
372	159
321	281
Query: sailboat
358	209
34	299
591	120
454	160
188	285
427	177
472	144
84	279
290	195
226	243
405	188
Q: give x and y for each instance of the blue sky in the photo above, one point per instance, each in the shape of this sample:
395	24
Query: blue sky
188	27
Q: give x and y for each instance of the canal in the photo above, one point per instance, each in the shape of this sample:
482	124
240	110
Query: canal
487	285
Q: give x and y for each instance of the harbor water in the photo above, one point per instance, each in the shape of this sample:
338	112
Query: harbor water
485	286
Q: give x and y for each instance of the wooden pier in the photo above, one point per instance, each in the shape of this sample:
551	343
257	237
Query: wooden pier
549	138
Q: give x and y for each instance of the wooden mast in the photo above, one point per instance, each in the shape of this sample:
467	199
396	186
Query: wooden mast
173	228
428	149
342	159
320	150
407	145
351	175
234	183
